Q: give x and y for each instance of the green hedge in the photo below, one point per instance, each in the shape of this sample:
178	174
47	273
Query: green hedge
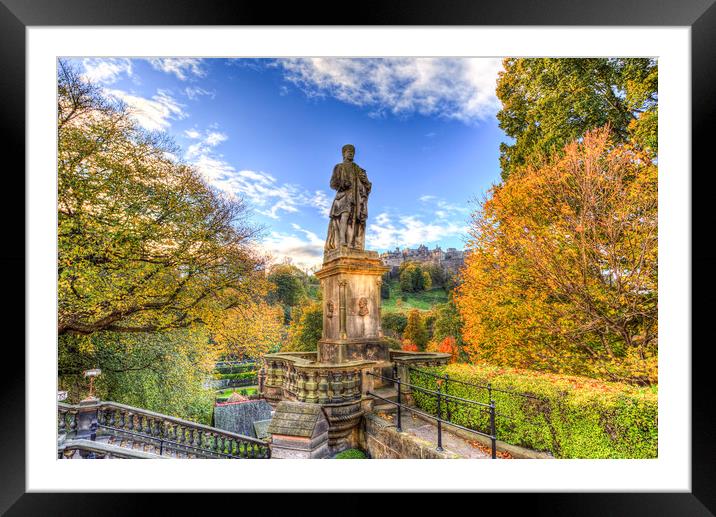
242	375
241	368
571	417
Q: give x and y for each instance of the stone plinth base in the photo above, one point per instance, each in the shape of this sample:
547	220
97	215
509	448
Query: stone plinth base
350	282
292	447
344	350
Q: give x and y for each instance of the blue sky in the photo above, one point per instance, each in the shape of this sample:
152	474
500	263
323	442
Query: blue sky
271	131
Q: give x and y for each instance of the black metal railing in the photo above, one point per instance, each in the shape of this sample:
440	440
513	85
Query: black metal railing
488	387
447	380
440	399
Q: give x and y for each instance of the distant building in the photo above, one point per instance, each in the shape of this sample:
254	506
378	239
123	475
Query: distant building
450	259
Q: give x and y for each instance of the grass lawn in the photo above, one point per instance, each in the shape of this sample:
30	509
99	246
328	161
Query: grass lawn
424	300
244	390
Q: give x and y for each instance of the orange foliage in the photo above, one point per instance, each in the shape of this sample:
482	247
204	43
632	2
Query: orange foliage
562	270
447	346
409	346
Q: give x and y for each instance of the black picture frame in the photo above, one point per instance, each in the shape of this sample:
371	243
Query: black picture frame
699	15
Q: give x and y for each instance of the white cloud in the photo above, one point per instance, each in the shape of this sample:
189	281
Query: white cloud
442	208
305	252
182	67
454	88
409	230
194	92
267	195
206	141
153	114
321	202
106	71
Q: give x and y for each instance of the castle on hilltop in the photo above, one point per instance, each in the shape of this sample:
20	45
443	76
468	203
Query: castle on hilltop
450	259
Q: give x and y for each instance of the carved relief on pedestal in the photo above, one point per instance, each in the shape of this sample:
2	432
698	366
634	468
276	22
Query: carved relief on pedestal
330	307
363	307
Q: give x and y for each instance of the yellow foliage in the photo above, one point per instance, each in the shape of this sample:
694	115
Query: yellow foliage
562	270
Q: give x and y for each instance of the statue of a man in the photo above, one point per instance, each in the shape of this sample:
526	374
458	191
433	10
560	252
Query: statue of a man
349	211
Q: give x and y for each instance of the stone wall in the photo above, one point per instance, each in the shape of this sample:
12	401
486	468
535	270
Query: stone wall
382	441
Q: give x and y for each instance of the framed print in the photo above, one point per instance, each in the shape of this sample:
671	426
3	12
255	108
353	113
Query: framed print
168	66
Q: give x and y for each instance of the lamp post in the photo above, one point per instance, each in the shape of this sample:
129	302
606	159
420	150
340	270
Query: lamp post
87	415
91	374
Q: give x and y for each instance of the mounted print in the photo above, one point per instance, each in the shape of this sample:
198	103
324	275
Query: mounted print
359	258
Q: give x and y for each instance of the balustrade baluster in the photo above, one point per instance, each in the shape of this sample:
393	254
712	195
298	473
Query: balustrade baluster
73	421
62	422
130	423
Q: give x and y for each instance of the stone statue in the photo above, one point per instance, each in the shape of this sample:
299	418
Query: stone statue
349	211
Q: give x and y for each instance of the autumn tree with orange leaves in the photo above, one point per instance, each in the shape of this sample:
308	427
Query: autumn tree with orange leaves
562	270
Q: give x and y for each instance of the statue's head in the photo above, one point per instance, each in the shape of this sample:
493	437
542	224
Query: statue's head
348	151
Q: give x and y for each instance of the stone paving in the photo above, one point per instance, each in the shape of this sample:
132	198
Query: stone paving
429	432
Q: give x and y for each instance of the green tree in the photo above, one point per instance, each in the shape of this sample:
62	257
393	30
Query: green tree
549	102
143	243
448	324
415	330
406	277
159	371
437	274
385	287
427	281
289	287
394	323
412	279
306	329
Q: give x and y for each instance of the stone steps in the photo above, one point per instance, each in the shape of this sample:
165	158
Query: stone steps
387	392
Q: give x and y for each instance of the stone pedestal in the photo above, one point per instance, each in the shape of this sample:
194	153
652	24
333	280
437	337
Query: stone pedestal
350	282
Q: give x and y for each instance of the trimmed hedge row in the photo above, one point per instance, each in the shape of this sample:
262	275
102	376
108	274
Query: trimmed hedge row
239	368
571	417
231	376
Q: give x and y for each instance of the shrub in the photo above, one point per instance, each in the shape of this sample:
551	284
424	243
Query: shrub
351	454
569	416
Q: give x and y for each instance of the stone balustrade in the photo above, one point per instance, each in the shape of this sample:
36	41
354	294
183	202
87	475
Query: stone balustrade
405	360
299	378
161	432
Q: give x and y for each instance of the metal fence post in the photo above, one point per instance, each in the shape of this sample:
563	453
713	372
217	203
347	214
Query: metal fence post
397	380
447	399
440	421
493	433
